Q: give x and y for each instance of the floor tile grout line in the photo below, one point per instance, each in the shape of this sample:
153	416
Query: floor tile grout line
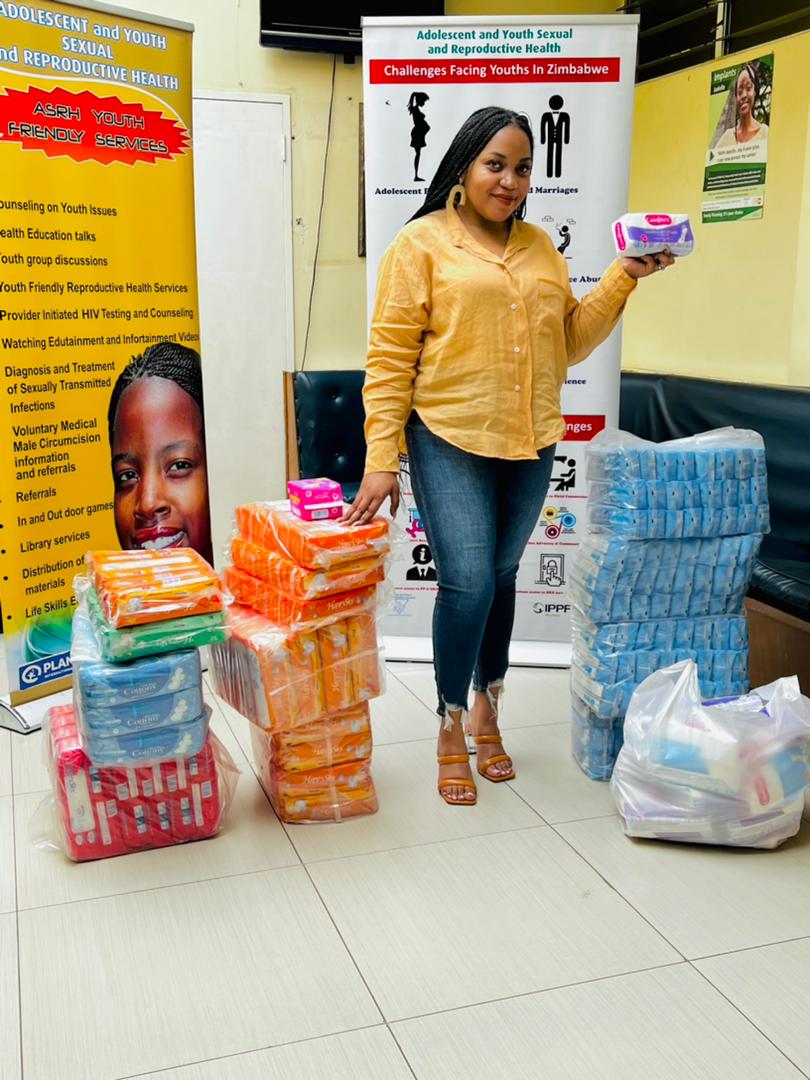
253	769
748	948
747	1018
389	1023
414	695
542	990
619	893
162	888
577	820
253	1050
689	960
423	844
345	945
526	802
431	709
401	1049
505	731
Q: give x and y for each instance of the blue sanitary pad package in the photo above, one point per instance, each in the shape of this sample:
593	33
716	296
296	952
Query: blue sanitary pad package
712	484
146	714
141	746
146	709
614	579
721	674
595	743
610	639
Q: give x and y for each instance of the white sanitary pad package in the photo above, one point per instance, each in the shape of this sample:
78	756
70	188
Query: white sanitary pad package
645	234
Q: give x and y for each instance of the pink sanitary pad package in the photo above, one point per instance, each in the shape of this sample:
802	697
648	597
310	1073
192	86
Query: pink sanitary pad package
315	500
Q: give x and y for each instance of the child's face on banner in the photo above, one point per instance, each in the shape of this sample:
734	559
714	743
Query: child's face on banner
159	469
498	180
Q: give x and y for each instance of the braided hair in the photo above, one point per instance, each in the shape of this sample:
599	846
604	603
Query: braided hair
165	360
470	140
753	75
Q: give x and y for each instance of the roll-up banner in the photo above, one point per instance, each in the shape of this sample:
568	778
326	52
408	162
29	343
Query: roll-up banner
574	78
101	411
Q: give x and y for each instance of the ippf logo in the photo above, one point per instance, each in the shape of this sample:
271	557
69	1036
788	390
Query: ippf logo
550	609
42	671
559	520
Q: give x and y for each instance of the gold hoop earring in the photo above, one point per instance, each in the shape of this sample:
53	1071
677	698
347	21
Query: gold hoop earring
458	192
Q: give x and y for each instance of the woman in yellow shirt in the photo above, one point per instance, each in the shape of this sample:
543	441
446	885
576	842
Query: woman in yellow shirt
473	330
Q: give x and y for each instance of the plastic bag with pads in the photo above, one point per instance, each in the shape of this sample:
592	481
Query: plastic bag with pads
732	772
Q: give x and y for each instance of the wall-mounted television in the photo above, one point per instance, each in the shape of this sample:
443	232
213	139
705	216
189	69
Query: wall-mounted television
337	32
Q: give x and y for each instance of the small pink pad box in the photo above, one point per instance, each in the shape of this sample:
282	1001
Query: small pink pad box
315	500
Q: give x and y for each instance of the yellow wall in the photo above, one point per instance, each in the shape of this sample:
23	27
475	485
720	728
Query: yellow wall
738	307
227	56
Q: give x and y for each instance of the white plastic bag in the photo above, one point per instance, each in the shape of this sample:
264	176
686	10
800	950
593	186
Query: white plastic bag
731	773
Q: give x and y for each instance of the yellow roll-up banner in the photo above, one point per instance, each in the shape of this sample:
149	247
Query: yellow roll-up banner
101	414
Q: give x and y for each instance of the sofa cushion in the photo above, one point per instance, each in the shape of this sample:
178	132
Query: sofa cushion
329	424
782	577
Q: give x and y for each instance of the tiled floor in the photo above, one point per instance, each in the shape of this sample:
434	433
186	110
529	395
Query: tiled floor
523	938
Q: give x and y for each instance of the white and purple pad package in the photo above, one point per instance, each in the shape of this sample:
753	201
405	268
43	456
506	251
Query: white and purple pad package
646	234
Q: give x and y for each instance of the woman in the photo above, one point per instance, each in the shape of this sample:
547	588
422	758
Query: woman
473	330
746	128
157	443
419	130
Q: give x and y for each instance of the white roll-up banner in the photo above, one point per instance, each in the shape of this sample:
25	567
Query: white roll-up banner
574	78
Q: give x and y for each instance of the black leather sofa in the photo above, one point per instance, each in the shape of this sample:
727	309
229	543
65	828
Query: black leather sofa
325	437
325	427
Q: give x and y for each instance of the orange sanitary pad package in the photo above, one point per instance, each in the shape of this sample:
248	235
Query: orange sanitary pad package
137	587
317	545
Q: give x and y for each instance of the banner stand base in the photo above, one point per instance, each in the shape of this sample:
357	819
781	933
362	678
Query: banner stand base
555	654
25	719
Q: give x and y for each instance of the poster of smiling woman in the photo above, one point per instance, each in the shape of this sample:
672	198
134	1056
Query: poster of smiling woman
737	156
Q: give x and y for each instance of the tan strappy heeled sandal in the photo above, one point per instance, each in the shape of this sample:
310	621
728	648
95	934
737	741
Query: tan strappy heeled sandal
450	781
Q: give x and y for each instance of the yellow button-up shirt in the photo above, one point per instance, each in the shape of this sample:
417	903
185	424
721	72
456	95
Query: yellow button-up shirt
478	344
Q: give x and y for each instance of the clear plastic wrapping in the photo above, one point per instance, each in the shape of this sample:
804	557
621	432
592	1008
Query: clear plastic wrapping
714	632
712	484
338	739
145	586
646	234
595	742
152	639
316	545
334	793
292	614
105	686
299	583
714	665
280	680
723	674
614	579
732	773
99	812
